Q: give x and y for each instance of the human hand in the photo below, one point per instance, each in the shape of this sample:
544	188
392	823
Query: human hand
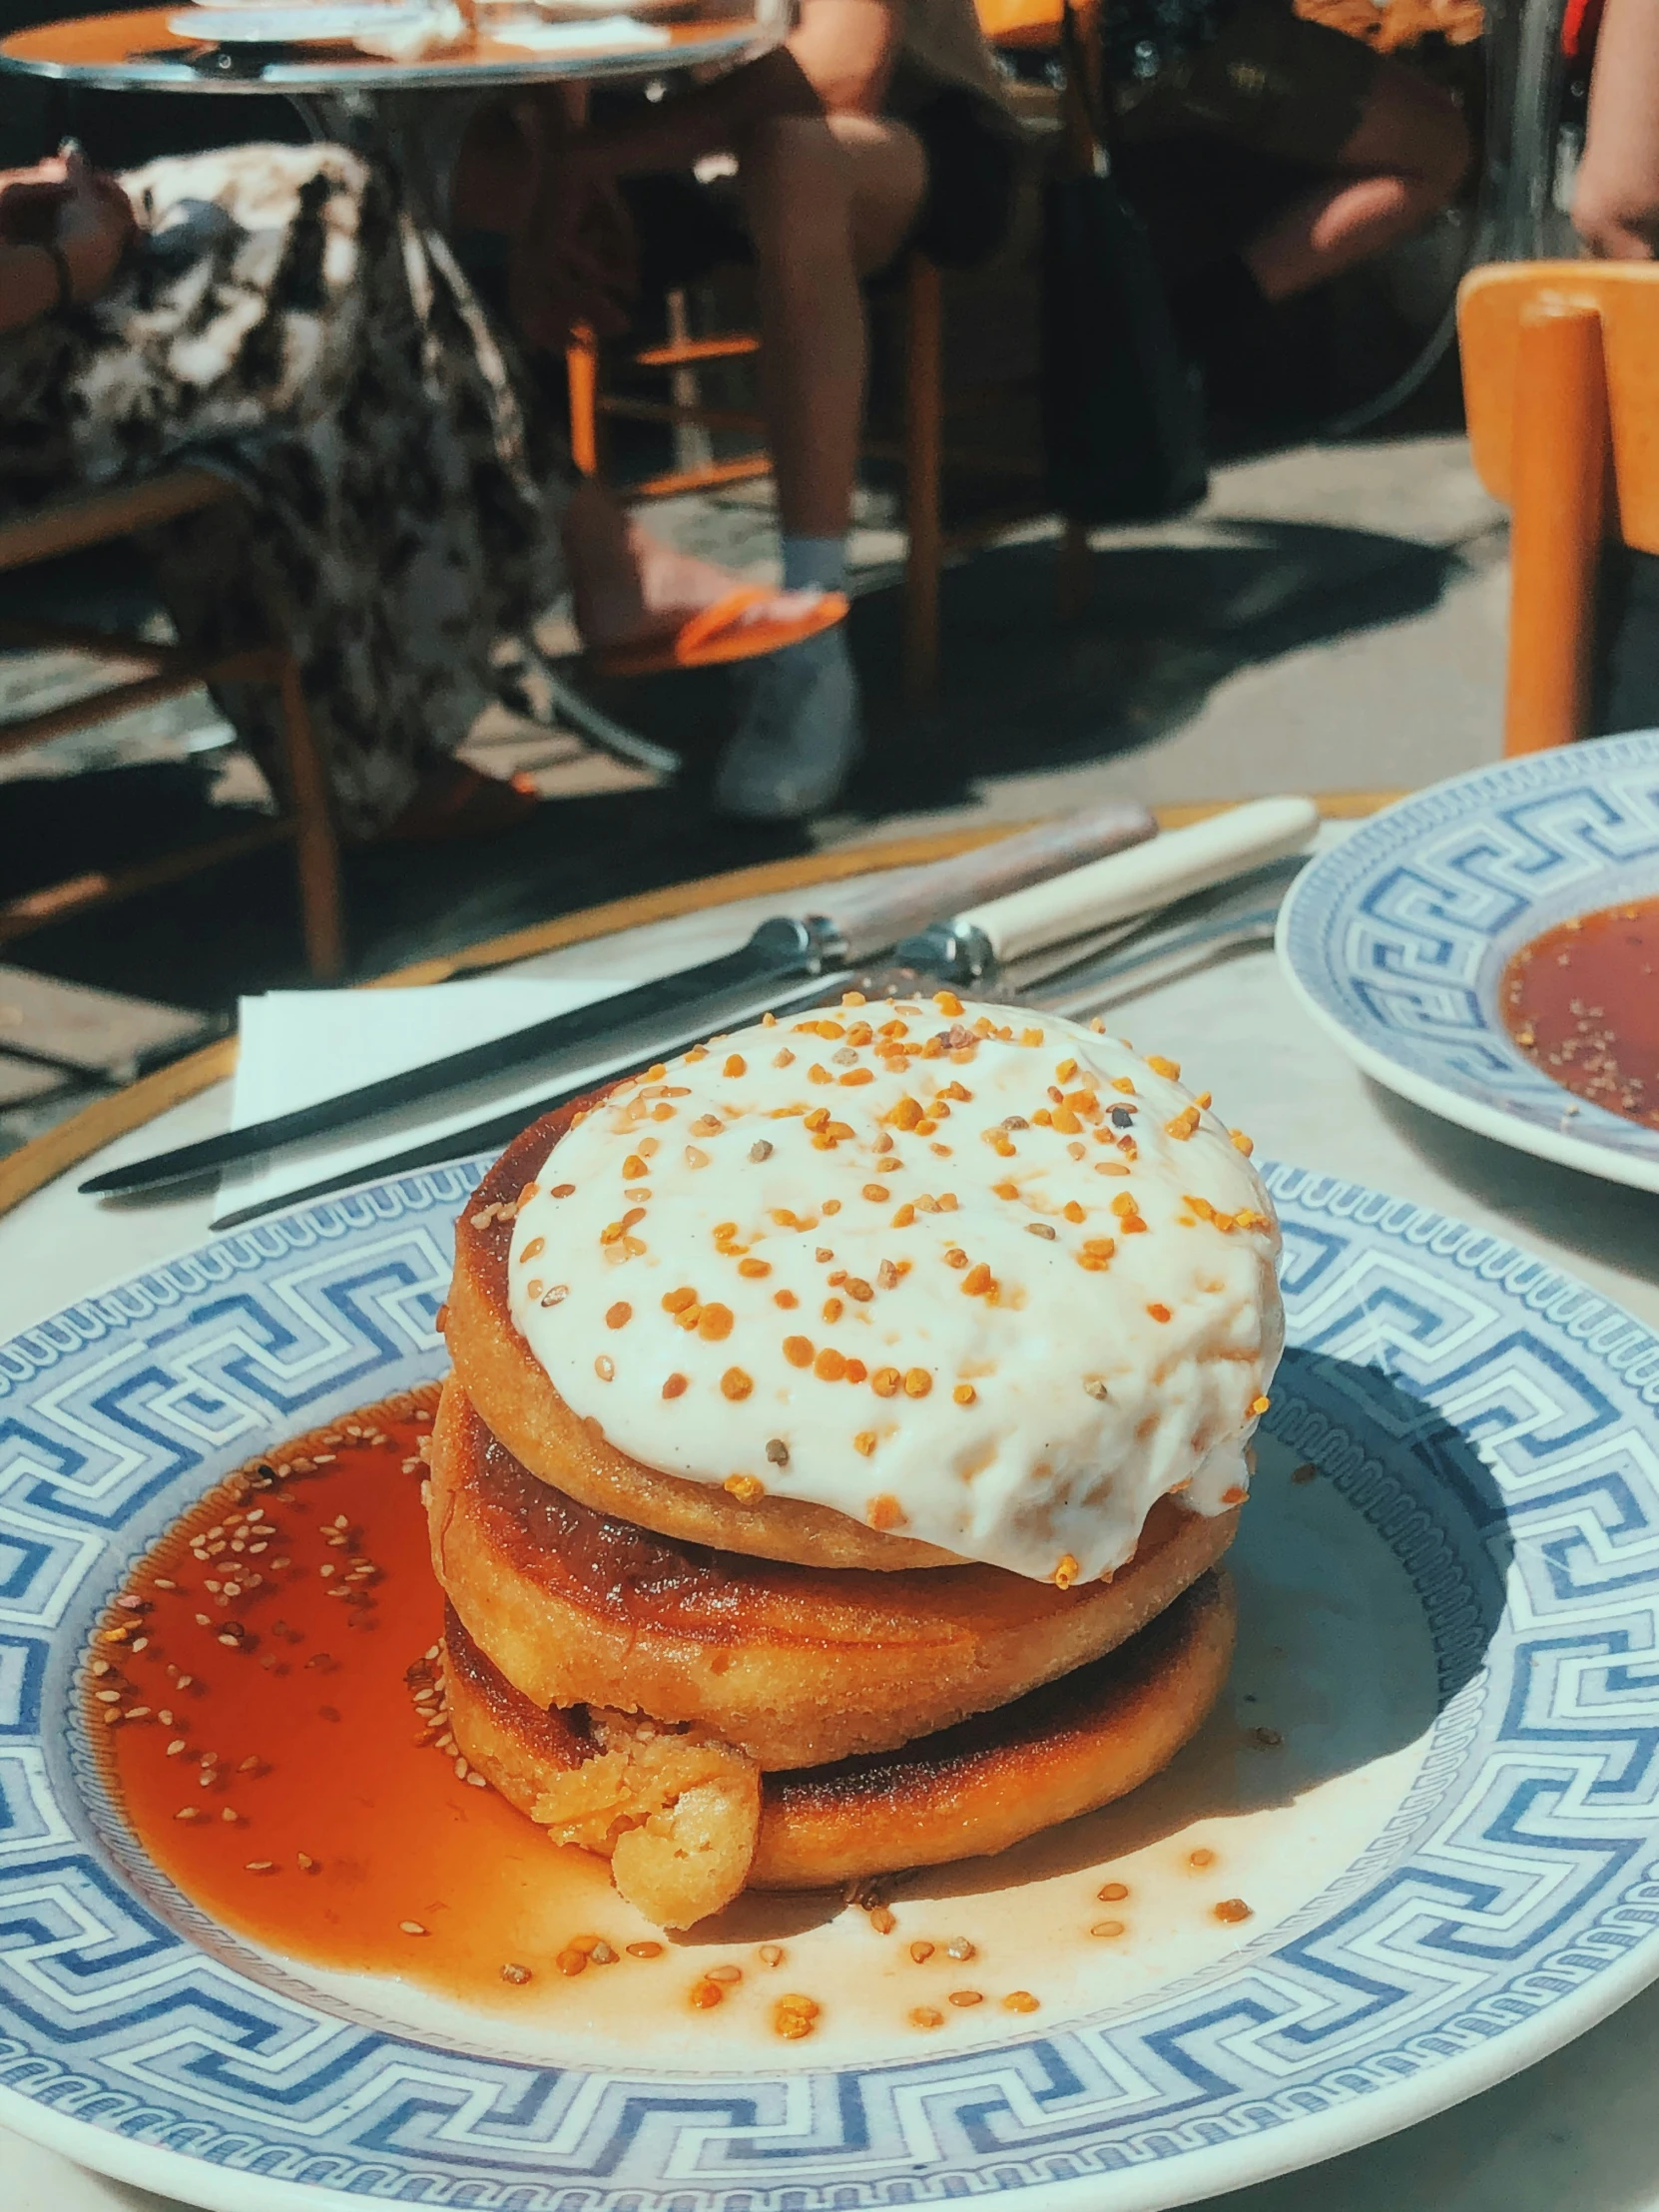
94	226
30	200
1615	206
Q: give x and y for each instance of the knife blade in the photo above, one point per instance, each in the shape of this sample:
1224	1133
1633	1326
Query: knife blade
1071	978
650	1018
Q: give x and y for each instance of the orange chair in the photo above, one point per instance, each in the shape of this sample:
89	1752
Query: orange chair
96	518
1561	384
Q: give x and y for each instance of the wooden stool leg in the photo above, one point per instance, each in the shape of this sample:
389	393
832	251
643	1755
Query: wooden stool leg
582	375
1073	579
1558	502
924	407
316	853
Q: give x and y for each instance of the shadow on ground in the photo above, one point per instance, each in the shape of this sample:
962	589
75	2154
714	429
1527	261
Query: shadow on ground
1022	689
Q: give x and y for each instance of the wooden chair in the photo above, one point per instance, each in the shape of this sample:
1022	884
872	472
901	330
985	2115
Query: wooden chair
1561	382
96	518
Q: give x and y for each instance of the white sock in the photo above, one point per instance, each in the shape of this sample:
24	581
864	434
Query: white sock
813	564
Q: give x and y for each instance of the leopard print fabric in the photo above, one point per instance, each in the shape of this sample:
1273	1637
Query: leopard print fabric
285	318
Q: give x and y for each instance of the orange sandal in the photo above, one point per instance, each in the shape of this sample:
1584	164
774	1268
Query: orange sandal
718	633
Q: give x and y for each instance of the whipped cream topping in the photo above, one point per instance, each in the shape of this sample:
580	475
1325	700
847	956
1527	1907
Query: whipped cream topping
966	1273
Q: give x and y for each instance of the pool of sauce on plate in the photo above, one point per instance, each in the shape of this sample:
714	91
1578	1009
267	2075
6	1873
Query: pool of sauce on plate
264	1700
266	1660
1582	1003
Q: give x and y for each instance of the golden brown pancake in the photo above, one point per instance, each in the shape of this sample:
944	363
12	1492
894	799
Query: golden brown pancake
794	1666
986	1784
513	1393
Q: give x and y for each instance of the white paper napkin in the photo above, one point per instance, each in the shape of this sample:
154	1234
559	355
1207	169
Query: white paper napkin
299	1047
619	33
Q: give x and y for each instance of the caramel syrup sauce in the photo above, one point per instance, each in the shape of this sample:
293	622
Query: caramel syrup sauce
264	1661
1582	1003
263	1698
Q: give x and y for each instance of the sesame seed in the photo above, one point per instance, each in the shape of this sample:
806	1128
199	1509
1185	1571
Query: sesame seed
1039	1229
1107	1928
921	1953
1019	2001
411	1928
962	1999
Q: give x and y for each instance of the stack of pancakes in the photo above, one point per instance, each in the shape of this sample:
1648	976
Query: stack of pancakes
739	1606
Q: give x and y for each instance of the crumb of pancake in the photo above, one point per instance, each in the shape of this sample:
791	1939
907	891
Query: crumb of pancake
1065	1574
746	1488
1264	1739
794	2018
677	1812
703	1995
1232	1909
1306	1472
885	1512
960	1948
516	1975
926	2015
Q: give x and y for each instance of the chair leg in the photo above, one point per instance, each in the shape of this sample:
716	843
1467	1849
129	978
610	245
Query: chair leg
1558	501
924	407
1073	581
316	853
582	375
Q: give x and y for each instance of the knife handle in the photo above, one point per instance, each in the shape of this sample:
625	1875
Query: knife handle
1180	862
876	913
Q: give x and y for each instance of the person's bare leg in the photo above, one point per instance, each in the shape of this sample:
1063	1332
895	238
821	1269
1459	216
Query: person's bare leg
628	586
1404	162
827	200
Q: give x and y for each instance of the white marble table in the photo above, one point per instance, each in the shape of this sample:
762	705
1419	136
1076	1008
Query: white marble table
1580	2130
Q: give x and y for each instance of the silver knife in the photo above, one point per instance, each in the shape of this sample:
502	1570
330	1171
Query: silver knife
865	916
1236	905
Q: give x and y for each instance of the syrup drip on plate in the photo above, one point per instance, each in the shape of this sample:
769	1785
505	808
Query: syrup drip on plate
1582	1003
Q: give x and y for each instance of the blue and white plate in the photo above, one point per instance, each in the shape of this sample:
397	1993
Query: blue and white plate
1433	1781
1397	939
